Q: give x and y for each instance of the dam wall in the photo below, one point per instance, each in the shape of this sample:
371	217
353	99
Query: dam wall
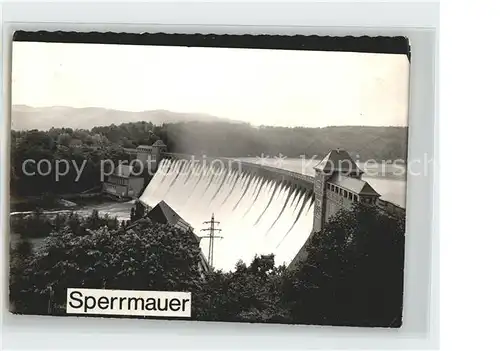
261	209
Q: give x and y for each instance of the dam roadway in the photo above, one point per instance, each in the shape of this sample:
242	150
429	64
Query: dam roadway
253	168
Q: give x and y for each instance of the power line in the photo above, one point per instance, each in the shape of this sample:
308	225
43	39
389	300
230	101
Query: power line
211	238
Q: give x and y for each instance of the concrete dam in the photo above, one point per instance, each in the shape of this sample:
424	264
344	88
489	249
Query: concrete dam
262	210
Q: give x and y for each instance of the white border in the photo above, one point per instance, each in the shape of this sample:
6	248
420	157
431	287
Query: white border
411	19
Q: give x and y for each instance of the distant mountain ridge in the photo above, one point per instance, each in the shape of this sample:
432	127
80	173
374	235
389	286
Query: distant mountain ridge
43	118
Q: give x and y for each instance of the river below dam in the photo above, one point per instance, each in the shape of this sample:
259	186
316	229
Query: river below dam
120	210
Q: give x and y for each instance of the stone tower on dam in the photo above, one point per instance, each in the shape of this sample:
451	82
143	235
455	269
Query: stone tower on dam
150	156
337	185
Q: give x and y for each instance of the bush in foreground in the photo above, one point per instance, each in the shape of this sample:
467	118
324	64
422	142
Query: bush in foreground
146	257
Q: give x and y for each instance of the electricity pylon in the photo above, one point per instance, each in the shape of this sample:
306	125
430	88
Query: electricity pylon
211	238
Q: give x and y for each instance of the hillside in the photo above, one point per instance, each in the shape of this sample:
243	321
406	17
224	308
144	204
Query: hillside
43	118
206	134
242	140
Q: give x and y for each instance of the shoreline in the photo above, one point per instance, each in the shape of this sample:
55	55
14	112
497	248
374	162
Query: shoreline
67	202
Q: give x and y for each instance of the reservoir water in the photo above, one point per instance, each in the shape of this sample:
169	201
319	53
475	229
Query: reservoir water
387	179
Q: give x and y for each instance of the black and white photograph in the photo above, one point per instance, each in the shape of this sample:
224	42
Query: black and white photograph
210	183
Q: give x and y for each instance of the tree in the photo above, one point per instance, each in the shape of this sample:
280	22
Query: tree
139	210
23	249
19	258
94	221
64	139
21	252
34	225
353	272
146	257
53	146
74	223
59	221
248	294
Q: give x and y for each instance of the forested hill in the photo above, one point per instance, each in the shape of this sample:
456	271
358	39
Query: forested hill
223	139
241	140
43	118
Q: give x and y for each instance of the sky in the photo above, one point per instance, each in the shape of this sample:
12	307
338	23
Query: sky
261	87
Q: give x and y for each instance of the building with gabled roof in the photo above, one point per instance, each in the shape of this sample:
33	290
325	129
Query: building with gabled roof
339	161
354	185
163	213
338	185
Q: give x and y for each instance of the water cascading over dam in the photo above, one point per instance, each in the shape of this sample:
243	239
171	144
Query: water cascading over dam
260	211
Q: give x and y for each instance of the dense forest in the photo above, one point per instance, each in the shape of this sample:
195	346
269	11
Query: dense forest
89	147
352	275
223	139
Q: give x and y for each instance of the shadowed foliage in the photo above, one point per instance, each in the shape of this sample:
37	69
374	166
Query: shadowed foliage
146	257
353	273
248	294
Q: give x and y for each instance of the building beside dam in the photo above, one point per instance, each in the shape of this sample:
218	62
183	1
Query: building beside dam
123	183
126	182
149	155
338	185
